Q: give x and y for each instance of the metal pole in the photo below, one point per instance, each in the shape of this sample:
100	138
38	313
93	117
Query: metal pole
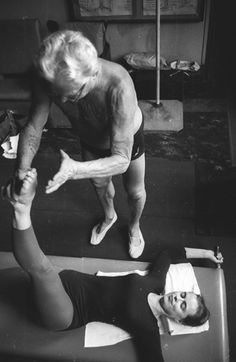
158	52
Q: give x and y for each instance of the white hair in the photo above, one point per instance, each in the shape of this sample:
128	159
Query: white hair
67	55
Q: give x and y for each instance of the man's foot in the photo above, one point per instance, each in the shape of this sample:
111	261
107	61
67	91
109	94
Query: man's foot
99	231
136	245
25	196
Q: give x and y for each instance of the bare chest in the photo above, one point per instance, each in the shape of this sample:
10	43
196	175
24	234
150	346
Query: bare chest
90	115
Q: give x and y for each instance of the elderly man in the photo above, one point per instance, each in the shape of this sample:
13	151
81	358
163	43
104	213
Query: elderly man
100	101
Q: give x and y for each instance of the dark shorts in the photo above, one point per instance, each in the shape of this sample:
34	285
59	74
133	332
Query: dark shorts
137	150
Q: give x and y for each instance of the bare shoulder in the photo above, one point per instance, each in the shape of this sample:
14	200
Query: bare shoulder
121	92
117	76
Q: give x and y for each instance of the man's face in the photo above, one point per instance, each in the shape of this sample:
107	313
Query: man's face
178	305
68	93
73	96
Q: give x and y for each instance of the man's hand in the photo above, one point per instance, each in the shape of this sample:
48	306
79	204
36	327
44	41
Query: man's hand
16	192
20	174
18	179
65	173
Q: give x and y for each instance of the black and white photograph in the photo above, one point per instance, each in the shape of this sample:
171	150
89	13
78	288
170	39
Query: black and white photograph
117	181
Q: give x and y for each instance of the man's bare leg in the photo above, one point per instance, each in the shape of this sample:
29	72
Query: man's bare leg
105	192
54	304
135	188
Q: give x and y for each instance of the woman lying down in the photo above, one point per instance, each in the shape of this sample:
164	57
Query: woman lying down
69	299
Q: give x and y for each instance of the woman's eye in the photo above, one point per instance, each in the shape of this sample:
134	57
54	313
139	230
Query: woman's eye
183	305
183	295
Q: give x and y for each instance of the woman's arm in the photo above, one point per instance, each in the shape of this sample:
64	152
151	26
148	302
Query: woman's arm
193	253
147	344
179	255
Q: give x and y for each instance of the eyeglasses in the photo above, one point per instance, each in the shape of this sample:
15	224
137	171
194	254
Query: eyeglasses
75	97
70	97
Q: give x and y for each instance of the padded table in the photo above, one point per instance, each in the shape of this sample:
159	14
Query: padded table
22	338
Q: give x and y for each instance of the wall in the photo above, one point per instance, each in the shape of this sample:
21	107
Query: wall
178	40
41	9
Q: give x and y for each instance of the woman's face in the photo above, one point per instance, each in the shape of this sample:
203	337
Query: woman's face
179	305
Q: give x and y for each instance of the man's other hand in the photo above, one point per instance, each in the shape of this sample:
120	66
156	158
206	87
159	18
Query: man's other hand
65	173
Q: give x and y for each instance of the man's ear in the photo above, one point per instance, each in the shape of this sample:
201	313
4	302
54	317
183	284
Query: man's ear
95	75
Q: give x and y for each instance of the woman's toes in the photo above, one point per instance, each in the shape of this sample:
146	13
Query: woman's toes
25	185
33	175
30	174
30	178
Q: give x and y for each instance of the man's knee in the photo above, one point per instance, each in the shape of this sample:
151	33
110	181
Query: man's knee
101	183
136	192
104	187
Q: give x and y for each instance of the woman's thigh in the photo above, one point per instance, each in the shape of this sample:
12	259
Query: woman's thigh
54	304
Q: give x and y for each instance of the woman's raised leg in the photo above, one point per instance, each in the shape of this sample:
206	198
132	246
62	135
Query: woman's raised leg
54	304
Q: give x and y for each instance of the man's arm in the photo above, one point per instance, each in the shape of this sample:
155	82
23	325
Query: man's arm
123	105
30	136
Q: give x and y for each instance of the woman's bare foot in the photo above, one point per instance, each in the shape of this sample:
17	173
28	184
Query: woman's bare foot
26	194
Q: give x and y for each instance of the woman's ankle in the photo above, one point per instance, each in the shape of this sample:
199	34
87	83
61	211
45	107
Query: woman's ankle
21	210
21	220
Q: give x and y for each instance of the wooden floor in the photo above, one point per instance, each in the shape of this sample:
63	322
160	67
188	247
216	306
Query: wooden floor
63	220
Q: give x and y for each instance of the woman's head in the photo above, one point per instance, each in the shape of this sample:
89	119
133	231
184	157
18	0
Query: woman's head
185	307
67	59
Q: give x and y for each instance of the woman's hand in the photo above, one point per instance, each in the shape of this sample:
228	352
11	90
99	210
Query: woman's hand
8	191
11	190
204	254
216	258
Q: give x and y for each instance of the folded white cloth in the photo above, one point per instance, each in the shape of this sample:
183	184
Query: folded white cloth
179	277
98	334
10	147
118	274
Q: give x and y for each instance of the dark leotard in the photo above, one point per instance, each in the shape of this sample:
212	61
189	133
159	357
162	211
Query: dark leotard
122	301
